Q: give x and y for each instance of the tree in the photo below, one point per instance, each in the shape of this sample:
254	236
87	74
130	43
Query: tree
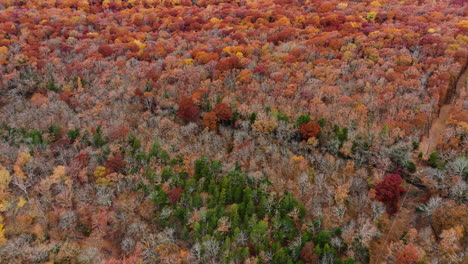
175	194
307	253
310	129
388	192
259	232
115	164
303	119
223	112
105	50
188	111
408	255
210	121
435	161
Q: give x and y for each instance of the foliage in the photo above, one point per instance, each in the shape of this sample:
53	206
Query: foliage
408	255
231	212
388	192
303	119
435	161
100	103
188	111
223	112
310	129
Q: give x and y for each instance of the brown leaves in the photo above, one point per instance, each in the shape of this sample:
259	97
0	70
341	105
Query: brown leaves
310	130
264	126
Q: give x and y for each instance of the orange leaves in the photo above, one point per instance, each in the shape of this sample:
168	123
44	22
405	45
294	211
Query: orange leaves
245	76
408	255
4	55
39	99
462	25
223	112
205	57
210	121
310	130
226	64
326	7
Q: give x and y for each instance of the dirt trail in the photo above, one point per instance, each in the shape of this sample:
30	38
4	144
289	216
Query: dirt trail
456	90
429	142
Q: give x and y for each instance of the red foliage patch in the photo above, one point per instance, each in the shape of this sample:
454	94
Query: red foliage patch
175	194
226	64
82	159
223	112
188	111
105	50
389	192
115	164
281	36
310	129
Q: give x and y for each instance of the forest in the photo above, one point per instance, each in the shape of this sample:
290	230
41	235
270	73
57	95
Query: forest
233	132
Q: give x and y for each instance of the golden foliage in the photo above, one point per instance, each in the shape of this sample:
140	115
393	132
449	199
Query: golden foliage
5	178
210	121
245	76
3	239
264	126
21	202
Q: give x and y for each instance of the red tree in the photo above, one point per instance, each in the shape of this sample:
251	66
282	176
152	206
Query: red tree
223	112
210	120
175	194
226	64
389	191
116	163
105	50
188	111
310	129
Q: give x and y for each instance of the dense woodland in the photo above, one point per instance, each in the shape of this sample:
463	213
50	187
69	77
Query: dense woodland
248	131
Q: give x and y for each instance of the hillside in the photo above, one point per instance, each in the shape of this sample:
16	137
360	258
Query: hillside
211	131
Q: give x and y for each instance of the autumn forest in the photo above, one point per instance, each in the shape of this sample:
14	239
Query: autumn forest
233	132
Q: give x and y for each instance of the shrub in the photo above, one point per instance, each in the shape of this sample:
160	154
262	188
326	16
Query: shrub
435	161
